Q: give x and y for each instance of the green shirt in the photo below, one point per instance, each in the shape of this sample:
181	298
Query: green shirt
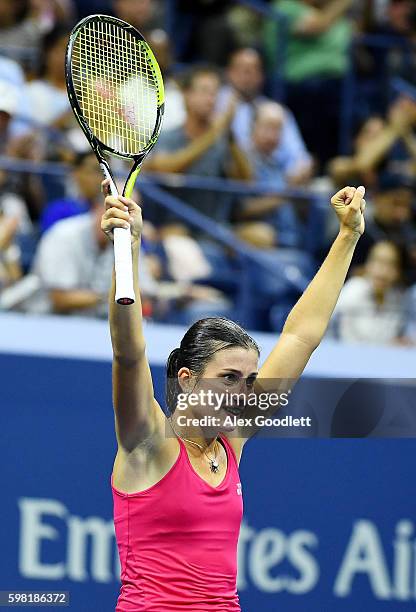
323	55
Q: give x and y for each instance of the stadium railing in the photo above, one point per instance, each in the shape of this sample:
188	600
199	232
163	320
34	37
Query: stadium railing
287	271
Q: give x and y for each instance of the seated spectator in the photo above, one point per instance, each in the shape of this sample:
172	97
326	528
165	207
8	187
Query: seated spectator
393	21
399	25
12	74
268	170
316	61
389	217
47	95
20	195
23	23
74	263
10	269
372	308
174	115
245	78
142	14
20	26
85	181
9	95
202	146
204	30
381	147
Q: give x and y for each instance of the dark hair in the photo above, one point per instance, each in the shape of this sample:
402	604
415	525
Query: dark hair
242	49
48	42
80	157
188	78
200	343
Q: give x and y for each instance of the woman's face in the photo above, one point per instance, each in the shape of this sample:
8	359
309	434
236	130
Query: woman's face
222	390
383	266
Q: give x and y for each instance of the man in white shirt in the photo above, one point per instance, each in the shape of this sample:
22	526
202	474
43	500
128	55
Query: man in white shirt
74	262
245	77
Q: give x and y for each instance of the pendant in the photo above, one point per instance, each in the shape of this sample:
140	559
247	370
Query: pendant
214	465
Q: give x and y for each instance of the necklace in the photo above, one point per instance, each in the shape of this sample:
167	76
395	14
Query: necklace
214	466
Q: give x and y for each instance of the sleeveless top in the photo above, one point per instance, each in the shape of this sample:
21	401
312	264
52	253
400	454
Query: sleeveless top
177	541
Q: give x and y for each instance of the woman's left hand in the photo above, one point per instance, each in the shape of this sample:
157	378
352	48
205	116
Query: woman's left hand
349	205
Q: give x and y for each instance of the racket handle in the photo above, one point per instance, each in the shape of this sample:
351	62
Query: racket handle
123	260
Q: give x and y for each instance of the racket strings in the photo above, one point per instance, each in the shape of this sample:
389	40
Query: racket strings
116	86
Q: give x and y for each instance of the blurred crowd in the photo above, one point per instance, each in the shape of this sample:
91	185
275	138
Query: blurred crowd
269	110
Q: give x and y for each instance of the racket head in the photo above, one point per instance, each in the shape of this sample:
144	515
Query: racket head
114	86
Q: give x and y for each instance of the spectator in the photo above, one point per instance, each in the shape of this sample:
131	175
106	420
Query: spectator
372	308
202	146
319	35
9	95
245	77
141	14
390	218
10	269
18	29
381	147
74	262
85	180
47	96
375	64
174	115
204	31
399	24
24	22
19	195
12	75
266	135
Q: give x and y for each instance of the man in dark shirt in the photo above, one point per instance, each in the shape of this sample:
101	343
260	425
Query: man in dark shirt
202	146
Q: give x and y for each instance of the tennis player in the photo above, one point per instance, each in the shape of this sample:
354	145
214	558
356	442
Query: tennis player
177	497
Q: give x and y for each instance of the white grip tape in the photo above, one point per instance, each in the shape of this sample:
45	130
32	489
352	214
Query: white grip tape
123	266
123	261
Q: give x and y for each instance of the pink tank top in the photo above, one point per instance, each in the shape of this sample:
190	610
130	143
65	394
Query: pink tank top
177	541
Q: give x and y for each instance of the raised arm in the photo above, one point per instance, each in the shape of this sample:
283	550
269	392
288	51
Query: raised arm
180	160
239	167
320	20
308	320
400	122
138	417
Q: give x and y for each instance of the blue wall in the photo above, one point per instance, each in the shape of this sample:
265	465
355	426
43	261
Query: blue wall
329	524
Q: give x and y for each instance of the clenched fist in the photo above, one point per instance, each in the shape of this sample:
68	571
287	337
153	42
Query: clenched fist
121	212
349	205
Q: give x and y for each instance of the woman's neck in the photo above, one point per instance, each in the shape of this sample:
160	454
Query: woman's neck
196	437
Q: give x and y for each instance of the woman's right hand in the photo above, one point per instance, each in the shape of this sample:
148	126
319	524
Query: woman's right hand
121	212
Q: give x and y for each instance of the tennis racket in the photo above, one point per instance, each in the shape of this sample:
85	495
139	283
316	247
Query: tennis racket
115	89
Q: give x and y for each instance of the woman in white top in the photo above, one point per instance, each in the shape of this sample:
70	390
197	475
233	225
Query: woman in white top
371	308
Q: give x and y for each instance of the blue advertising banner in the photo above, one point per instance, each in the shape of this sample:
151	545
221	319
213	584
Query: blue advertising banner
329	524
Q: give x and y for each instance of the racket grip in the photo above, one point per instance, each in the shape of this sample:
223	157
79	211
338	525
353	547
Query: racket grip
123	262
